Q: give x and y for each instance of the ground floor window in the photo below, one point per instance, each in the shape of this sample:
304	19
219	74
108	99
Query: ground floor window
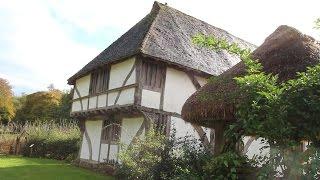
111	131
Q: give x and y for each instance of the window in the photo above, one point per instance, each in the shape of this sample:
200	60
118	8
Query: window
99	81
110	132
152	76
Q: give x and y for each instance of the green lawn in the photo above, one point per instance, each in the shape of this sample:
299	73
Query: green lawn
16	168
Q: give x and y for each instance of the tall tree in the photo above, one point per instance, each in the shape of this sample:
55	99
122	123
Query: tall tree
7	109
44	106
39	106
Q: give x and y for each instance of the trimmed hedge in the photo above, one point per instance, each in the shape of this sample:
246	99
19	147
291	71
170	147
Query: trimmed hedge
54	141
60	149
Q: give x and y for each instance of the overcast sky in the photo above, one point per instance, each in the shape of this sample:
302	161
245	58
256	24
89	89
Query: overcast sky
44	42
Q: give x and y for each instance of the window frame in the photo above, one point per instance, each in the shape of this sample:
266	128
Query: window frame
107	134
99	81
152	75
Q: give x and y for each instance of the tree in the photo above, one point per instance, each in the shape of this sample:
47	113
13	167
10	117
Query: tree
282	113
44	106
7	109
317	24
64	108
39	106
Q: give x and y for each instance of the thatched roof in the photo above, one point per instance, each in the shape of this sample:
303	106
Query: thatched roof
165	34
285	52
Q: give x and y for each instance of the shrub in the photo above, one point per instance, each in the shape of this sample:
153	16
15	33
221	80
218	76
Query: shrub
156	157
140	159
228	165
53	140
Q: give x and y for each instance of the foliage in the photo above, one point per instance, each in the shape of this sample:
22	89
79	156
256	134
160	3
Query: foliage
140	159
14	167
7	109
228	165
52	140
156	157
317	24
43	106
283	113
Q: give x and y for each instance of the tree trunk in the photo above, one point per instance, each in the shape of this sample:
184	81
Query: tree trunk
219	138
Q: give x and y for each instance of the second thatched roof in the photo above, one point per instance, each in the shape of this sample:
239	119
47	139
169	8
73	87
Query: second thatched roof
285	52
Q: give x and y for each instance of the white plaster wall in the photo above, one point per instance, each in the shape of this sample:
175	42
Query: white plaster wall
85	103
202	81
113	152
94	131
82	85
119	72
126	97
104	152
207	131
150	99
92	102
183	128
84	152
255	147
129	128
111	98
76	106
102	100
178	88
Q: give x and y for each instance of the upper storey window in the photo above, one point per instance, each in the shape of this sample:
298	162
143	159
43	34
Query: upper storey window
152	76
99	81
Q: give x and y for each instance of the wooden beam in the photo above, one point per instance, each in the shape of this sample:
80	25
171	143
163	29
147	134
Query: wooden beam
86	135
177	66
108	91
247	145
78	93
163	88
194	81
130	108
138	89
100	141
202	135
138	133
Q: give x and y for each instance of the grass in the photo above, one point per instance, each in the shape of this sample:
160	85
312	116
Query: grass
13	168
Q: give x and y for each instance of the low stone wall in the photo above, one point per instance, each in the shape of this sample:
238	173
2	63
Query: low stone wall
103	168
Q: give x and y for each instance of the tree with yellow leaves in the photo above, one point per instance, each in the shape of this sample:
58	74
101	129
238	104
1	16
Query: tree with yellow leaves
7	109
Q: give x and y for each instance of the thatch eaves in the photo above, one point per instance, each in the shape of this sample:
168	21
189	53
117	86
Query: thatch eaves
285	52
165	34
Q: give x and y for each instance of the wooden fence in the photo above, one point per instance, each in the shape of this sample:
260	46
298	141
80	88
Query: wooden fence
13	138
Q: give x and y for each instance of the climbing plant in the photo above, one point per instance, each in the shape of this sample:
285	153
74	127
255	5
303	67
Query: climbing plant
283	113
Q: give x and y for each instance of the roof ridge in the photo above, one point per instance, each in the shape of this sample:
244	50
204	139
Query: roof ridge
218	28
154	12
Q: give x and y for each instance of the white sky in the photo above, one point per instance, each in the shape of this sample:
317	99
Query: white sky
43	42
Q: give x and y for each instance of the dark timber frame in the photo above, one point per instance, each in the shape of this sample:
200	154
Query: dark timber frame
157	117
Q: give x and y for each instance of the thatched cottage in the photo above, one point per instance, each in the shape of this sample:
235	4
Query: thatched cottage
143	79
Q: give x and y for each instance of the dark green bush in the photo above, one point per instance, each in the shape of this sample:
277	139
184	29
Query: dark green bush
54	141
178	158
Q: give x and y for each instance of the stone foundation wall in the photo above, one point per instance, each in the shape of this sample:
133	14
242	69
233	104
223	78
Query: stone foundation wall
103	168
